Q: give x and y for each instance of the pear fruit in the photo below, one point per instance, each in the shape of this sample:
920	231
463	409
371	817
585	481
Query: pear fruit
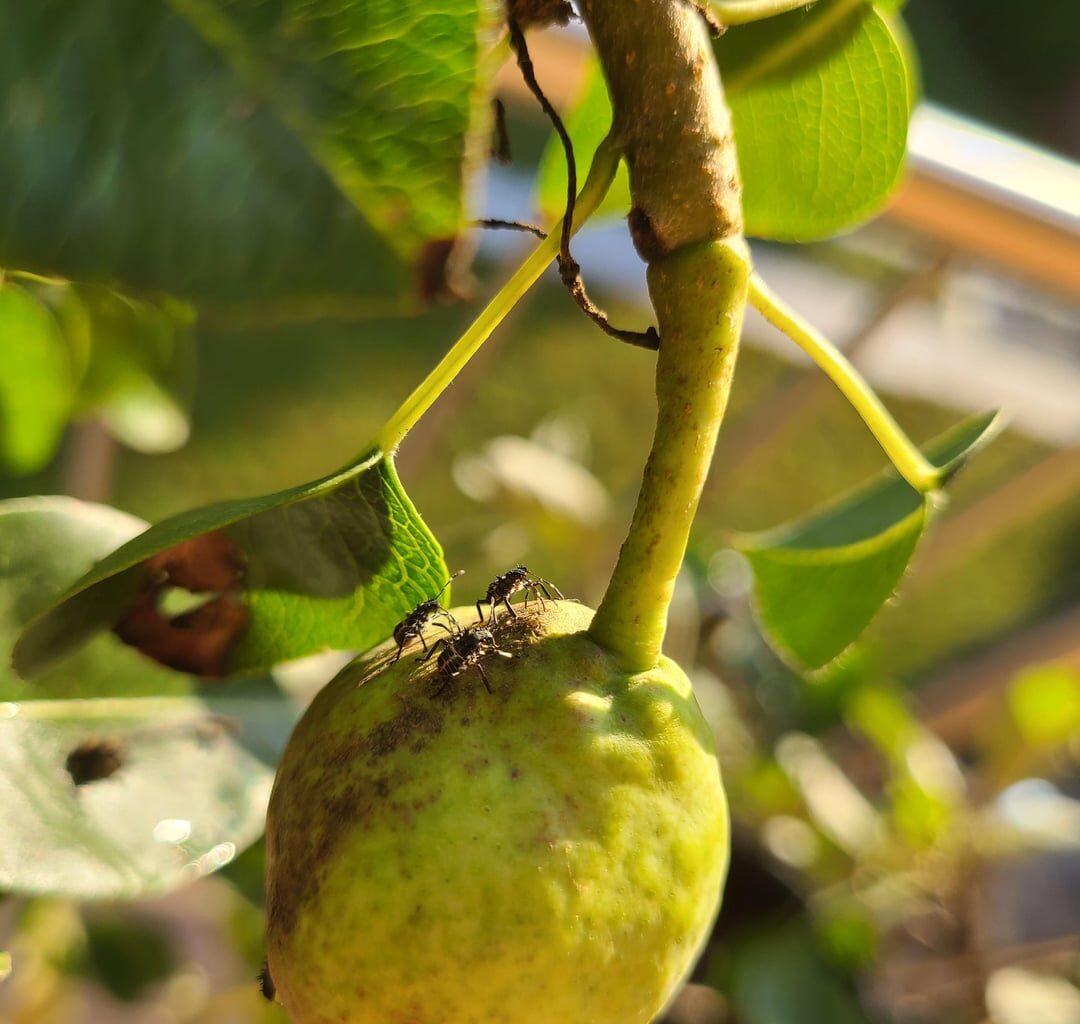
551	851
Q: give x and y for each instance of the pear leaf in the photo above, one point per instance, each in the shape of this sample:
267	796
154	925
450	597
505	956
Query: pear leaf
819	581
331	564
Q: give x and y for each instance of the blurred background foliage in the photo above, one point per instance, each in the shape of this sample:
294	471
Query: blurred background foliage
907	843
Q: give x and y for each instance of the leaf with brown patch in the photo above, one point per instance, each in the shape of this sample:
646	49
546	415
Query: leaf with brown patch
333	564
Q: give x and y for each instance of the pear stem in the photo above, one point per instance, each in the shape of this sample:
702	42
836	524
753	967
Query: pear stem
675	130
699	294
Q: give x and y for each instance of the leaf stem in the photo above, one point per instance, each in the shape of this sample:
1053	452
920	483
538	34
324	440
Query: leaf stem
909	461
601	173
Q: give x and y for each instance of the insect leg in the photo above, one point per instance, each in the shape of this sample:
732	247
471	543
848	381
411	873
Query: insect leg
440	643
483	676
545	585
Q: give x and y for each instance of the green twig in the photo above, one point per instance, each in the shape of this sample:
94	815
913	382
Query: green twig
909	461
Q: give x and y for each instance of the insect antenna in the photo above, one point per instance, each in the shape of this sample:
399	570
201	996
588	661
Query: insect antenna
454	576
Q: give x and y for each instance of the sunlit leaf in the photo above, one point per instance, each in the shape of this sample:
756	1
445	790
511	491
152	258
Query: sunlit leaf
183	795
884	718
820	100
740	12
140	376
919	816
819	581
35	381
142	150
333	564
389	95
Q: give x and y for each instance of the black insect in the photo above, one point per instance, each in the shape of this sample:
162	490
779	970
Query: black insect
516	580
426	612
463	650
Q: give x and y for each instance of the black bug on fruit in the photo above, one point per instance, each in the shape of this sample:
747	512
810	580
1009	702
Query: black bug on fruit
427	612
465	649
515	581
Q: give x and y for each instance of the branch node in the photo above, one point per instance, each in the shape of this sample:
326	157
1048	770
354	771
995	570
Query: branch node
715	26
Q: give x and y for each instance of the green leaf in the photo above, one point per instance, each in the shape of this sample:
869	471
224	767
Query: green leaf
819	581
5	965
35	384
171	754
389	95
332	564
820	101
182	796
777	973
126	955
141	370
134	153
45	544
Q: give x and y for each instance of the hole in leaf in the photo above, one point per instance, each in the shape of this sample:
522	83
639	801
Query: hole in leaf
186	614
94	759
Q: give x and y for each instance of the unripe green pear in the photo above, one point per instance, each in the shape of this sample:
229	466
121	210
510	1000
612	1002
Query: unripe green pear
551	851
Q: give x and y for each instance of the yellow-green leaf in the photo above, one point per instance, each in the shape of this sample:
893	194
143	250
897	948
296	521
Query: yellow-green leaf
1045	704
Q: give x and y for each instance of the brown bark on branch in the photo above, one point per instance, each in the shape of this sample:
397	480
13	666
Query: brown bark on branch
672	121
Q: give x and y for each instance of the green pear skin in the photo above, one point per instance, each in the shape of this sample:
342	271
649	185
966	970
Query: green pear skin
552	851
